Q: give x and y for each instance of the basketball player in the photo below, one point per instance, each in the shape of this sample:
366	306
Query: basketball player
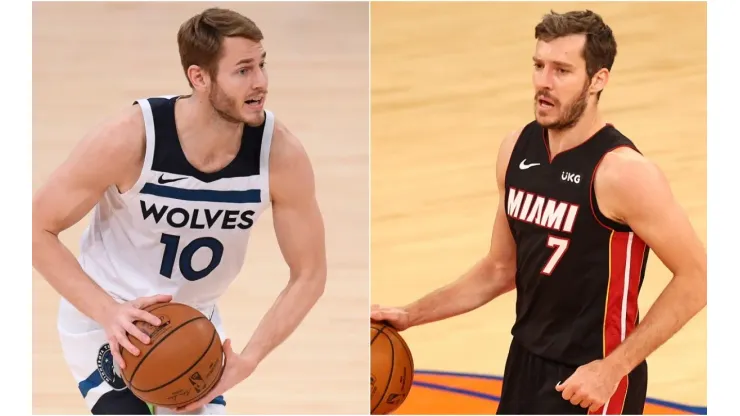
177	184
579	209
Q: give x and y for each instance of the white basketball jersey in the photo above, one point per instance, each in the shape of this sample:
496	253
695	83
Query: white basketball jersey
178	231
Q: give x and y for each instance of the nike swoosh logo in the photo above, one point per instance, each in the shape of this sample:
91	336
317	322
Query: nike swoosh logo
163	181
524	166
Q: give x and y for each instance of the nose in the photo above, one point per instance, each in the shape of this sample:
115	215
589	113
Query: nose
542	79
260	80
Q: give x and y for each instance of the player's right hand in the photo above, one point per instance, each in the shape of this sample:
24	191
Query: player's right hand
396	317
120	322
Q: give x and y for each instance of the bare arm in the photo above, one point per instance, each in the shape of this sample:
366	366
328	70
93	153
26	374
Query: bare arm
103	158
633	191
491	277
299	228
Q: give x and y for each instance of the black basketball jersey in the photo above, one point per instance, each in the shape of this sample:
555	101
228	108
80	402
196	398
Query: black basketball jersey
578	273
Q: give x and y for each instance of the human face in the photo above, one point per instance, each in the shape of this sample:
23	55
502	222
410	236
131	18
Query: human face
562	86
240	88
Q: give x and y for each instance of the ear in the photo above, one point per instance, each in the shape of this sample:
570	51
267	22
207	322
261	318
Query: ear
198	77
599	81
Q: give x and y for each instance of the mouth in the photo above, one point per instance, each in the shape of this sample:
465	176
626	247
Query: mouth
255	102
545	103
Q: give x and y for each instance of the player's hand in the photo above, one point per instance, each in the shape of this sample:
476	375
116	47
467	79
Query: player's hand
119	322
396	317
591	385
236	369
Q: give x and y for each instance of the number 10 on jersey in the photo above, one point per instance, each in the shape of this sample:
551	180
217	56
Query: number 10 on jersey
171	247
560	245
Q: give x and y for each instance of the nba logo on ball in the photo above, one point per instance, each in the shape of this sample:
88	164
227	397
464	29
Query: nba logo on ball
107	369
197	381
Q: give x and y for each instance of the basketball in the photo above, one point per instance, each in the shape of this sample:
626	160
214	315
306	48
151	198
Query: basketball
182	361
392	369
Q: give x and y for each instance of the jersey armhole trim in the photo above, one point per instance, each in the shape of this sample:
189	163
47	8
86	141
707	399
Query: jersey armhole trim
517	143
149	134
267	135
602	219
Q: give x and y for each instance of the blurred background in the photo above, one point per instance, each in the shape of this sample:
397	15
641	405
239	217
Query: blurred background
91	60
449	80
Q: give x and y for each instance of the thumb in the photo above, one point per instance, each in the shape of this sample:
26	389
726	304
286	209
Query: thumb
227	346
560	386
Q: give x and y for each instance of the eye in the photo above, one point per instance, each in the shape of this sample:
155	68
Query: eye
538	65
262	64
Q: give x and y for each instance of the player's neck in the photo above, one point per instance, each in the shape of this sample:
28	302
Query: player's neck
201	124
563	140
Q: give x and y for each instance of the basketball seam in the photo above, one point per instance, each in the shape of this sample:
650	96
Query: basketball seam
376	336
405	347
133	374
198	397
390	373
188	369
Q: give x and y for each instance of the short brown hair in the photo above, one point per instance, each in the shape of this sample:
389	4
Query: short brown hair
201	37
600	48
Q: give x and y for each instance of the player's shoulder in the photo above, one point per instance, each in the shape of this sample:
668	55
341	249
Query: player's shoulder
291	173
505	150
121	135
626	175
624	163
286	148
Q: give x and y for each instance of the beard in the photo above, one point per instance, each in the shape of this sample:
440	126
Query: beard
569	115
226	107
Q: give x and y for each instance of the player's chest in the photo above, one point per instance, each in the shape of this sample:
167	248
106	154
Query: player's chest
569	182
547	197
189	205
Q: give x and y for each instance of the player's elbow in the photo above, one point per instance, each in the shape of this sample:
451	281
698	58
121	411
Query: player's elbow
499	277
314	282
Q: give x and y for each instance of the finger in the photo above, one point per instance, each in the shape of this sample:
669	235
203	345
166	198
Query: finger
586	403
377	315
577	398
151	300
196	405
115	350
569	391
126	343
595	406
560	386
138	333
142	315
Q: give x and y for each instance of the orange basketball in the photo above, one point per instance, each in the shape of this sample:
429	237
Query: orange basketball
182	361
392	369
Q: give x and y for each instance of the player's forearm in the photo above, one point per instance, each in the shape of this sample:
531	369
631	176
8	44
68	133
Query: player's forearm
288	311
481	284
681	300
59	267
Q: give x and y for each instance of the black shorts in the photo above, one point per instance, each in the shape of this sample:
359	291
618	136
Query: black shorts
529	387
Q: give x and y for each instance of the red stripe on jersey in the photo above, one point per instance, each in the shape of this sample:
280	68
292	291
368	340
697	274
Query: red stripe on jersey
626	254
615	405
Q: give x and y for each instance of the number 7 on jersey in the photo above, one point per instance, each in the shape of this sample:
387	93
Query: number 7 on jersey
560	245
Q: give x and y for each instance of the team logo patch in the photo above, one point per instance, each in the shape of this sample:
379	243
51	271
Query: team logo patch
108	370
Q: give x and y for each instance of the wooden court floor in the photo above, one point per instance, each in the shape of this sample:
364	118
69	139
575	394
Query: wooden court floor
93	59
448	82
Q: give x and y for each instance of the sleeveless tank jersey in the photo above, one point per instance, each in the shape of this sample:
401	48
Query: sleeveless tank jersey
178	231
578	273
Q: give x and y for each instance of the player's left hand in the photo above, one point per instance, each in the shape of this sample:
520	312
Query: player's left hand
591	385
236	369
